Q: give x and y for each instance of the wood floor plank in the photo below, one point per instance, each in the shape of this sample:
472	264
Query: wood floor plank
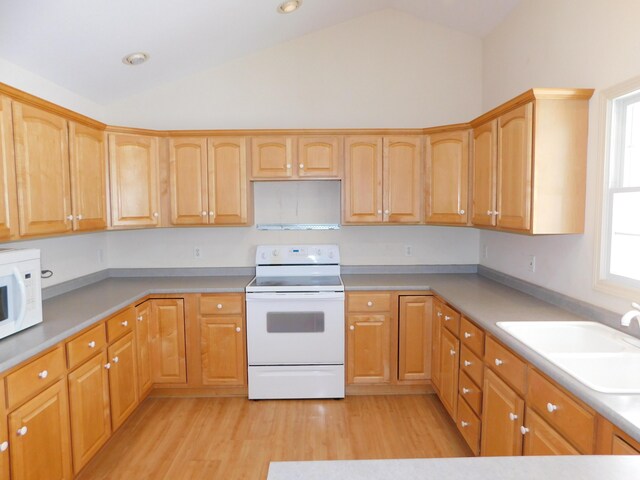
207	438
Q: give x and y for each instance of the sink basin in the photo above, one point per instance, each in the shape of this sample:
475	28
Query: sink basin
600	357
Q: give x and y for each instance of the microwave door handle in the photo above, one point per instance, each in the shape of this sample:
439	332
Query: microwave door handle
22	292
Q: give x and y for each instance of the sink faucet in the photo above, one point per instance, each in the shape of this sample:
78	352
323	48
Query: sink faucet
630	315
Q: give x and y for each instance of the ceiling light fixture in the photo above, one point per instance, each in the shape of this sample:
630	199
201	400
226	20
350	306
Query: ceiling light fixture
289	6
136	58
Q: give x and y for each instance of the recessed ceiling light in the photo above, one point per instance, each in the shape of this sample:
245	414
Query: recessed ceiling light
289	6
135	58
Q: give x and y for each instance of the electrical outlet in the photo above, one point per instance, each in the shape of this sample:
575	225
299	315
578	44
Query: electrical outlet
531	266
408	250
197	252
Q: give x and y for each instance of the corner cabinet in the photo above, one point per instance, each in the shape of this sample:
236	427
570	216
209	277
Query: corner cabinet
134	176
8	195
529	163
382	180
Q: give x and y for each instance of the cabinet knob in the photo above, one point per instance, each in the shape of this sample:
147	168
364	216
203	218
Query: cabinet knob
139	318
22	431
379	212
92	344
524	430
512	416
439	314
352	327
386	212
464	424
461	212
301	165
69	217
447	318
79	216
465	390
498	362
496	213
467	335
369	303
203	213
3	446
43	374
115	359
219	306
452	352
467	363
238	329
124	323
211	213
288	166
155	214
107	366
551	407
489	212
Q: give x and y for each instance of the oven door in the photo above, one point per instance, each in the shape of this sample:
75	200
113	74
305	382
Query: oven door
295	328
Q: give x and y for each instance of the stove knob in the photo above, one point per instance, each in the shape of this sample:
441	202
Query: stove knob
275	253
319	252
330	254
263	255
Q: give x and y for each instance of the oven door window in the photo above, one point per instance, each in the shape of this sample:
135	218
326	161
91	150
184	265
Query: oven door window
295	322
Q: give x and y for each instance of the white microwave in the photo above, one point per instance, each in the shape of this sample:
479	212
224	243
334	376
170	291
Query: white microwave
20	290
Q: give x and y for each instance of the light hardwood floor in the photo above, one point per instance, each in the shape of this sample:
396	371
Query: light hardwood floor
235	438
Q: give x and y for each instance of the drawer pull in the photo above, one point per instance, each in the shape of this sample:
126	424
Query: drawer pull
125	323
439	314
352	327
237	329
551	407
3	446
452	352
498	362
92	344
115	359
219	306
43	374
523	430
22	431
139	318
464	424
467	363
447	318
468	335
107	366
465	390
512	416
369	303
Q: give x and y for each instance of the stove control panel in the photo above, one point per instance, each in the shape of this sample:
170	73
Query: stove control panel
297	255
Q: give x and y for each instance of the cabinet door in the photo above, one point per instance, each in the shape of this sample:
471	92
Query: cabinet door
228	184
89	408
42	171
483	174
8	194
143	353
447	174
449	370
620	447
502	415
402	195
541	439
40	437
362	184
272	157
88	167
414	349
437	318
123	384
188	181
514	168
369	348
223	350
133	163
319	157
4	436
168	357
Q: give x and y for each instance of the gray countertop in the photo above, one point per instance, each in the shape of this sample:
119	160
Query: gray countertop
481	468
482	300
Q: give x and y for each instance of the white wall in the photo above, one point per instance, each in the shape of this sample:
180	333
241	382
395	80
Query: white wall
567	43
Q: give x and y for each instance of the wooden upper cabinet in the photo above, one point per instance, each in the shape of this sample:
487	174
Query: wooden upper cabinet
133	162
88	169
228	182
272	157
188	181
42	171
362	184
483	174
402	191
447	173
8	195
514	169
319	157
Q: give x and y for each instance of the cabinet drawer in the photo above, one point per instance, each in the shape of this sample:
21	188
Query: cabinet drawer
121	323
81	348
34	377
620	447
570	418
471	365
509	367
472	336
221	304
469	425
470	392
369	302
450	319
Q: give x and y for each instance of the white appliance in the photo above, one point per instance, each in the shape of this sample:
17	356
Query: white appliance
20	290
295	323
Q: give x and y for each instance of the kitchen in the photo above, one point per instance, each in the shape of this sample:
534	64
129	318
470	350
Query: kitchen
472	79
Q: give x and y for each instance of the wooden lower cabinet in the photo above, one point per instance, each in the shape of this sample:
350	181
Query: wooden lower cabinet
541	439
40	442
469	425
123	379
223	350
167	341
414	338
89	409
143	347
502	415
368	348
449	370
4	436
620	447
435	342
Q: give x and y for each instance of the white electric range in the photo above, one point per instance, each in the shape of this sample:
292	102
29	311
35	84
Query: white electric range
295	323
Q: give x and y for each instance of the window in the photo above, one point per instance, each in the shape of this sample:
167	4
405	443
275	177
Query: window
620	236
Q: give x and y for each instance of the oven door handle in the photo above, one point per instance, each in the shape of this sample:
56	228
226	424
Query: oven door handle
279	296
